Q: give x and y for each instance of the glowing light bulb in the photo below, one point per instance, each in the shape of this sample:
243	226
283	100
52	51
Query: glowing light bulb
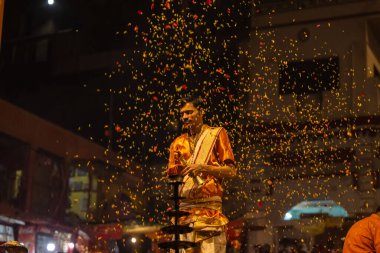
50	246
288	216
71	245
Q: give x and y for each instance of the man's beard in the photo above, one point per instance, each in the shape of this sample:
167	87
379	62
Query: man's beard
186	128
190	127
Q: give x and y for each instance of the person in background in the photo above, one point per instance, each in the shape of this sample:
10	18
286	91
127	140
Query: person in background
364	235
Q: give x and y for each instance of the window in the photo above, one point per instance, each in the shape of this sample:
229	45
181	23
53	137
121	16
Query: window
309	76
6	233
83	186
13	161
75	186
42	50
84	204
48	183
82	172
42	240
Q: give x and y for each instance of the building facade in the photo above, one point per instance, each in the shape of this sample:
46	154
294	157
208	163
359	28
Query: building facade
313	104
60	191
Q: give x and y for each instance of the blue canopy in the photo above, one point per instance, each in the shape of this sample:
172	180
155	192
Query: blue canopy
315	207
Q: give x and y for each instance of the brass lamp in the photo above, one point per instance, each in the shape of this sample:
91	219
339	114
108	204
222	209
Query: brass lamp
14	247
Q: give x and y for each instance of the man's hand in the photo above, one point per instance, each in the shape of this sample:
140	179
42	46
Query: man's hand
175	170
193	170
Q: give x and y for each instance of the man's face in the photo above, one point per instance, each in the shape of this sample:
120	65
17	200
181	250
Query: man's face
191	117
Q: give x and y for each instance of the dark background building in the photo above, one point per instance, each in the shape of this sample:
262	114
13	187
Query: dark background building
69	62
81	67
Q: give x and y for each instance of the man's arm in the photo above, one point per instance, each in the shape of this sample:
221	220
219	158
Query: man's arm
226	171
173	167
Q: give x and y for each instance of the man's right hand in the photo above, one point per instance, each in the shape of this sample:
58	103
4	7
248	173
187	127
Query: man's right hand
176	170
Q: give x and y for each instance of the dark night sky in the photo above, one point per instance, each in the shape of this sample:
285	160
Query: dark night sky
77	101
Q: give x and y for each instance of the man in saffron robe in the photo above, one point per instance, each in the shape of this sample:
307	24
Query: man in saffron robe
203	155
364	235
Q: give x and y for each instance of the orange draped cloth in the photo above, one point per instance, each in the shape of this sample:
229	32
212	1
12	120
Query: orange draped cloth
364	236
204	201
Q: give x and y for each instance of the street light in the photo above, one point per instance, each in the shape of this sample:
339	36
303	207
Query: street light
50	2
71	245
50	247
288	216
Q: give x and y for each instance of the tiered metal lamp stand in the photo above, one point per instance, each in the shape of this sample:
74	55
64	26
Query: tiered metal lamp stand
176	229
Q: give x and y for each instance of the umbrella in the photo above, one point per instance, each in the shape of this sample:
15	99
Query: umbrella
314	216
313	208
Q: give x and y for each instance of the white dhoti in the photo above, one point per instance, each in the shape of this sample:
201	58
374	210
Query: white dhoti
213	244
